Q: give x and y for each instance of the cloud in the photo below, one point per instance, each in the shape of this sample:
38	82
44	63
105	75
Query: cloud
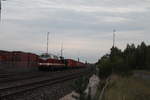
84	26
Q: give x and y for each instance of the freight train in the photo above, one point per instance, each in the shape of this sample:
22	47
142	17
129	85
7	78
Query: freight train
43	62
52	62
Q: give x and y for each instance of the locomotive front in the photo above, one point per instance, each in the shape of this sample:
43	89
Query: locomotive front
50	62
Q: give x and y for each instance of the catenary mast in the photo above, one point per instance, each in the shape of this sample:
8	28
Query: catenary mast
47	42
114	37
62	50
0	8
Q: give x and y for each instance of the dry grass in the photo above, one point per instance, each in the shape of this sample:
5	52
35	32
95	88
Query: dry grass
130	88
142	71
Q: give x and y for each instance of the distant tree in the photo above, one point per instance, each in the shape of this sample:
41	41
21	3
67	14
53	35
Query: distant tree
124	61
129	55
143	53
147	62
114	51
105	68
141	56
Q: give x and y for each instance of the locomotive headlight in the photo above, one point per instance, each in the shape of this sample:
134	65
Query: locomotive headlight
40	63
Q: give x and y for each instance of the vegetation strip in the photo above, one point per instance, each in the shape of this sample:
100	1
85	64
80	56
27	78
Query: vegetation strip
103	90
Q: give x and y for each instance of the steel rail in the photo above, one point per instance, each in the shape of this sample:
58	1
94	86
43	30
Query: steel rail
17	77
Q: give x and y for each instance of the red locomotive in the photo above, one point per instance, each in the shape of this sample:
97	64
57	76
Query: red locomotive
49	61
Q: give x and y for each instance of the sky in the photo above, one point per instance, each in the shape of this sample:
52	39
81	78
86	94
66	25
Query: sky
84	27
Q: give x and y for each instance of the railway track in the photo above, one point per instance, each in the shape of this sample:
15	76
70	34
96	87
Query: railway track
4	78
27	85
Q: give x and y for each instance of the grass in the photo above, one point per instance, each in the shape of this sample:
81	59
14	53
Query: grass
128	88
142	71
97	95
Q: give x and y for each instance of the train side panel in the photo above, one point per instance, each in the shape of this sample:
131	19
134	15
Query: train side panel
74	64
50	64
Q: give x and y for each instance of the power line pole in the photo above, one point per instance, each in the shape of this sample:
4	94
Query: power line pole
62	50
47	42
114	37
0	4
0	9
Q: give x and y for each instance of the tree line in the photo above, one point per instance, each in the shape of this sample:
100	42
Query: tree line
122	62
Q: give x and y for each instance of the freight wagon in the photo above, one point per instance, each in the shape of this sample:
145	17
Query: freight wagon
17	61
74	64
